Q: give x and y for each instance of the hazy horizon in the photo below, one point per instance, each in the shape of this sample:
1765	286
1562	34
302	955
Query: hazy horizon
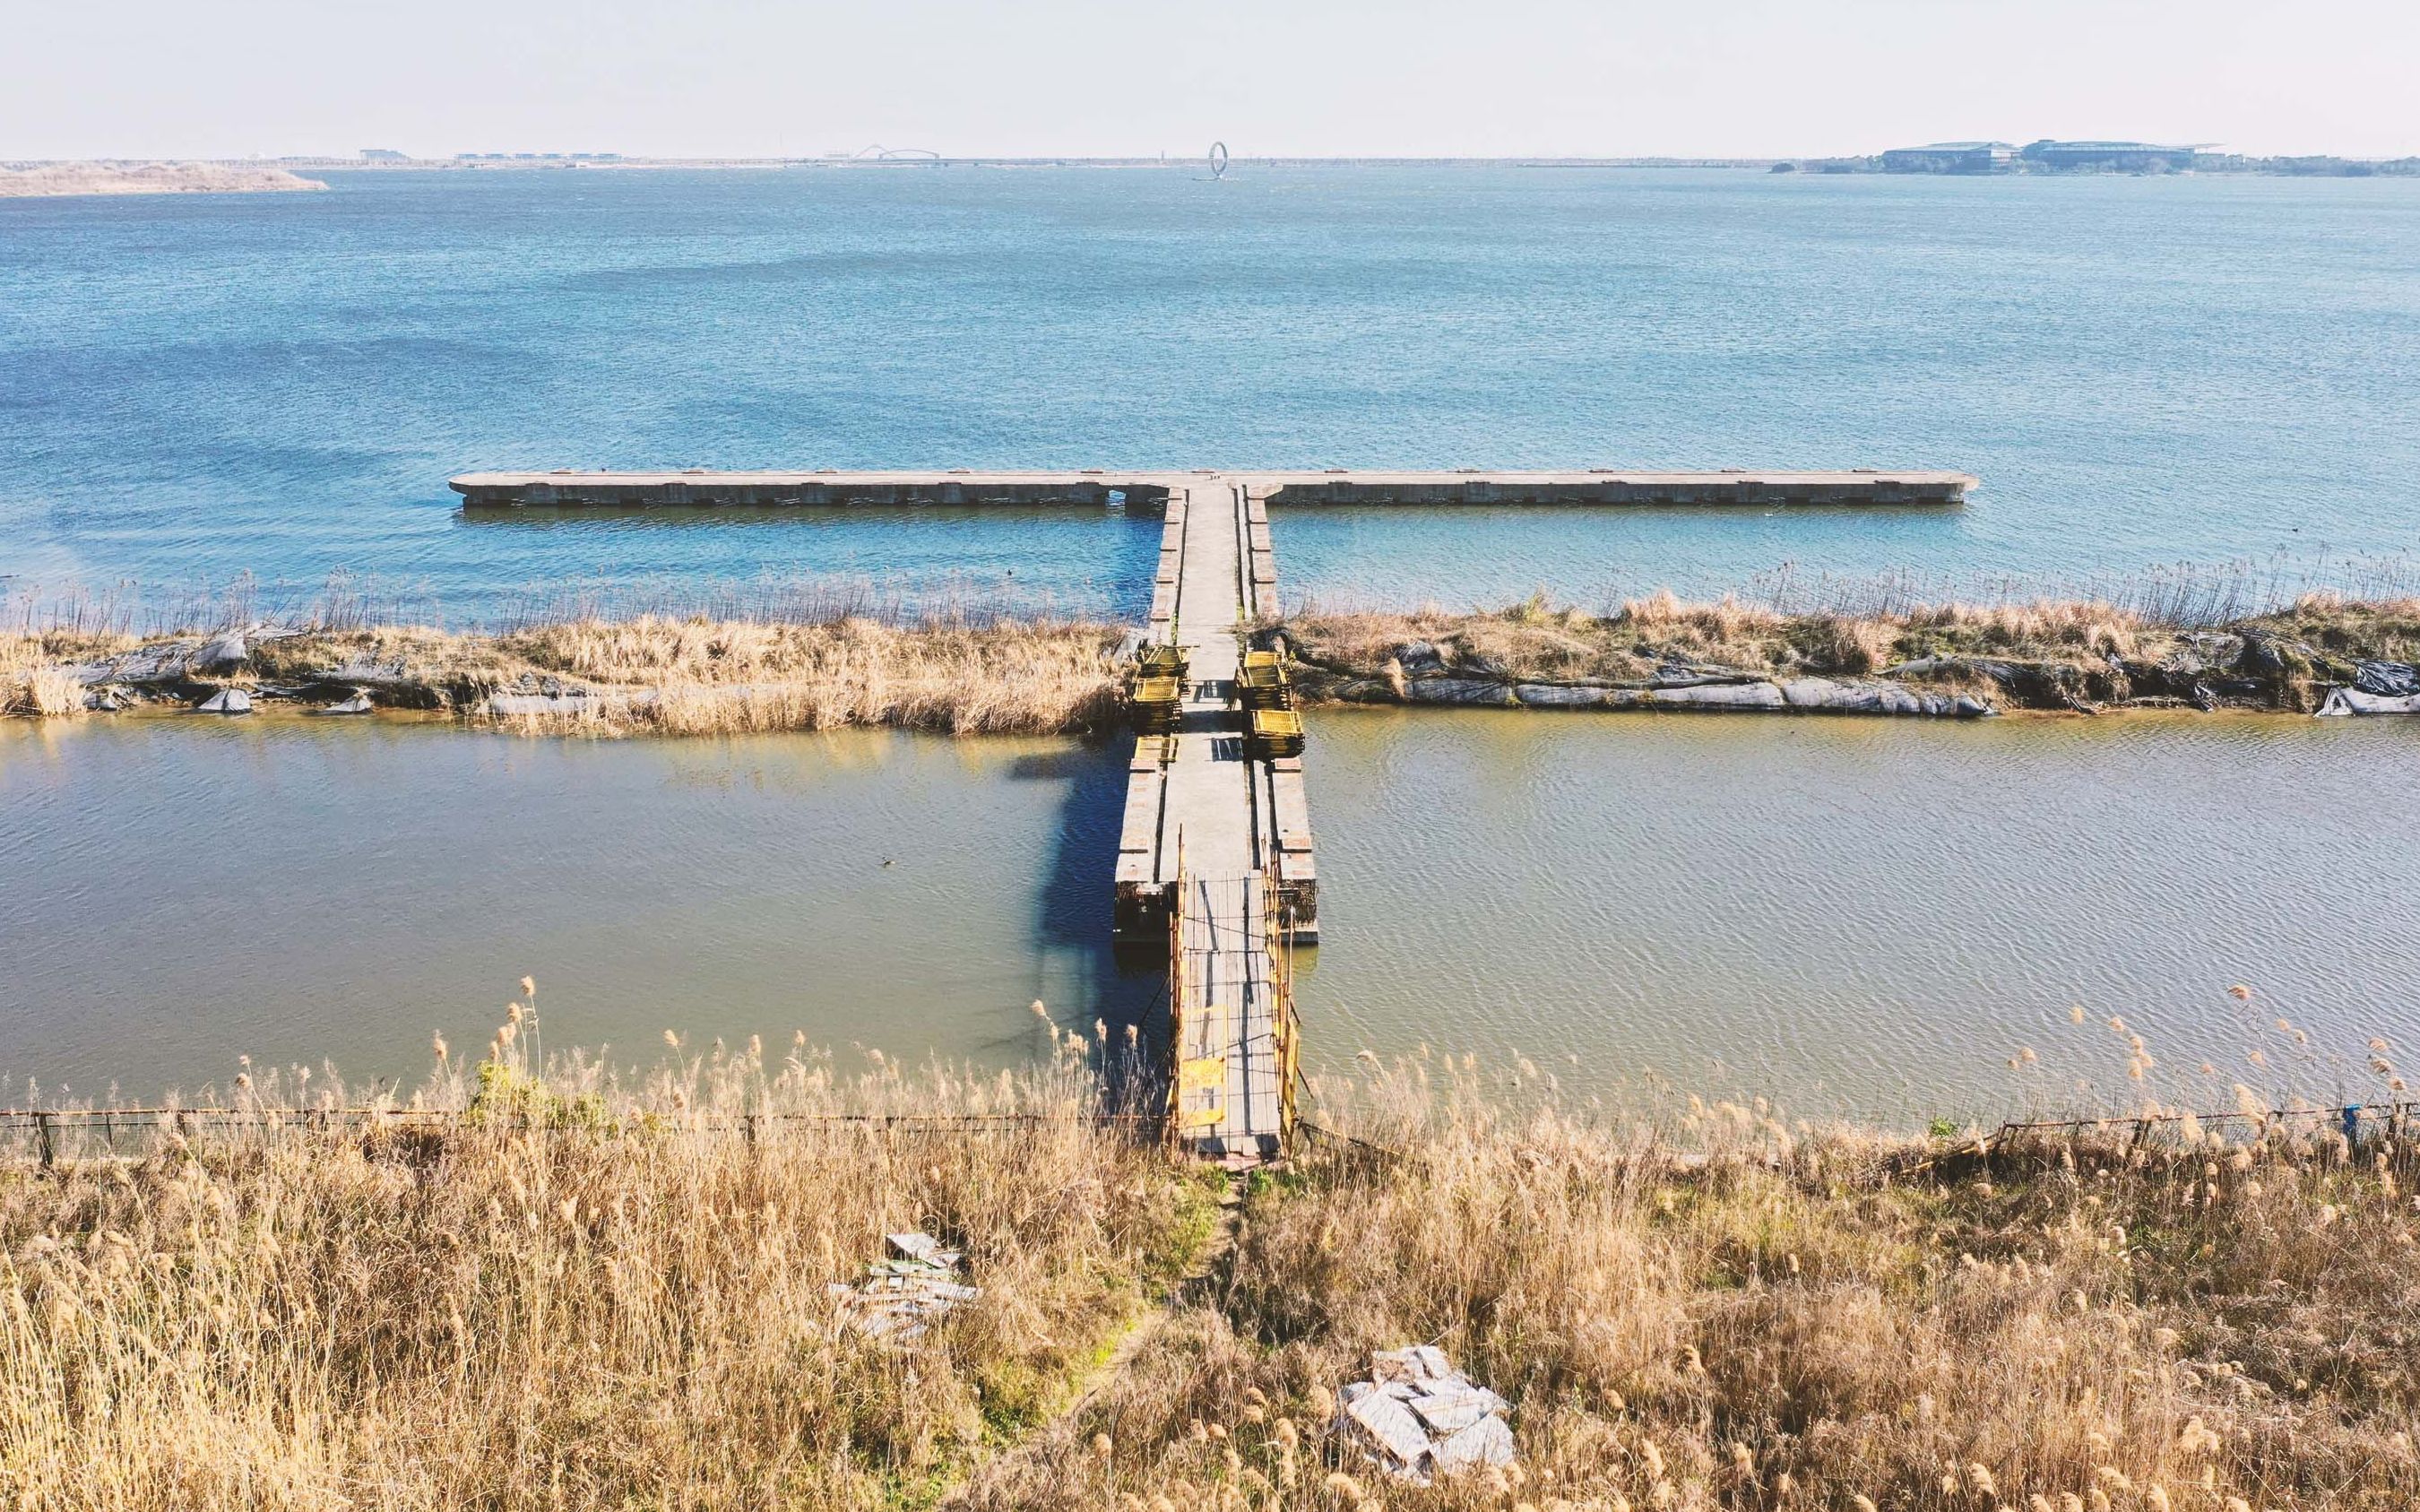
1081	78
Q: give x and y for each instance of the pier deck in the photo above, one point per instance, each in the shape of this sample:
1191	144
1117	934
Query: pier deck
1728	486
1201	849
1215	855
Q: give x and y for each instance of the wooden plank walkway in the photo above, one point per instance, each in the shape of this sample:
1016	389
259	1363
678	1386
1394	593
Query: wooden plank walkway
1230	1009
1212	853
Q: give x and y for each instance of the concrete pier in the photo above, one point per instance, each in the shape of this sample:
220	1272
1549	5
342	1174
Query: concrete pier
1215	853
1728	486
1215	856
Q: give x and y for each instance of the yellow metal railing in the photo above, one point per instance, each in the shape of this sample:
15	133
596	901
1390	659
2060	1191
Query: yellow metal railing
1176	1006
1286	1025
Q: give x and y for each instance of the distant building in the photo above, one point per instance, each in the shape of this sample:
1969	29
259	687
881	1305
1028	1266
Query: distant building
2115	157
384	155
1952	157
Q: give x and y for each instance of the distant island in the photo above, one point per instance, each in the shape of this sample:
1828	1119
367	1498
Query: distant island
45	179
2096	157
127	177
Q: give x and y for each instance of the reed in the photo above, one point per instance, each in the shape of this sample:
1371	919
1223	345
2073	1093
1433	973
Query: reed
1737	1314
673	677
707	677
42	693
2096	648
592	1289
581	1293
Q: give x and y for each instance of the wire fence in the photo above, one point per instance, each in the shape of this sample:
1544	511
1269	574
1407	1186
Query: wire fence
2352	1119
50	1137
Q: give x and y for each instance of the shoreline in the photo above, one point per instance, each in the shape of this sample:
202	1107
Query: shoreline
2320	656
2216	165
65	180
602	677
1010	677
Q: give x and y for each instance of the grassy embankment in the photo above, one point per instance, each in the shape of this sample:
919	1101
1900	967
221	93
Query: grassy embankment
679	677
624	1305
2050	655
667	675
623	1308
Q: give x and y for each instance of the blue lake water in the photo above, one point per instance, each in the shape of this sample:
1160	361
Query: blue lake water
2142	371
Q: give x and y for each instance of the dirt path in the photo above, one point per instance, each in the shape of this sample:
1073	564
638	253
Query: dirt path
992	1485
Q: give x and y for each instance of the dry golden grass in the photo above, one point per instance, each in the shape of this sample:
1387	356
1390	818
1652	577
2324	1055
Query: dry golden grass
2069	650
42	693
33	676
713	677
685	677
599	1294
1532	642
1798	1321
584	1297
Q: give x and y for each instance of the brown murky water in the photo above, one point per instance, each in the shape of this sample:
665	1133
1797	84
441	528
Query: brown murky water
1852	916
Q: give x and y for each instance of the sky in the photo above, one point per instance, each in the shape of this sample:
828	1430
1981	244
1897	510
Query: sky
1715	78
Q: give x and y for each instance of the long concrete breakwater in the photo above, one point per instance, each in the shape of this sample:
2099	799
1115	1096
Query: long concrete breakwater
1728	487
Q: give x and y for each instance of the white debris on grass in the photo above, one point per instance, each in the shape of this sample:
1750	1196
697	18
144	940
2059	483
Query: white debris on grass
901	1296
1417	1416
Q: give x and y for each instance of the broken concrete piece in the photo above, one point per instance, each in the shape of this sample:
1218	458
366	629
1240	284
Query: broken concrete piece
1397	1432
358	703
1452	1415
2347	700
1487	1441
1417	1416
220	654
225	701
925	1247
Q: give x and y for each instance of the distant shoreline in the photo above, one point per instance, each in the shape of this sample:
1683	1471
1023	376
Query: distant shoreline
263	174
52	180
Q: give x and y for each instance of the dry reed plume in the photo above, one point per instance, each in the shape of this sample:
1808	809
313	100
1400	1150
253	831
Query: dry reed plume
586	1293
2043	654
706	677
1795	1320
650	675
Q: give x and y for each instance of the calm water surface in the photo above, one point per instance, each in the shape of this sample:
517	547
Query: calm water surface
1852	916
2142	370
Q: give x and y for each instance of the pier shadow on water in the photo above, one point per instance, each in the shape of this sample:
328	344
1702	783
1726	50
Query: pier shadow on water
1120	987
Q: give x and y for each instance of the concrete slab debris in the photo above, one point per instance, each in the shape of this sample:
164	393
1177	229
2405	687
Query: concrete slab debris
1417	1417
901	1298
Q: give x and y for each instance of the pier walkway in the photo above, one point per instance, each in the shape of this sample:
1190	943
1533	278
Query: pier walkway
1216	844
1215	856
1338	485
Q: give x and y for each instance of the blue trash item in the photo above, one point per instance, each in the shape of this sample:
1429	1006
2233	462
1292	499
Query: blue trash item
2351	1122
